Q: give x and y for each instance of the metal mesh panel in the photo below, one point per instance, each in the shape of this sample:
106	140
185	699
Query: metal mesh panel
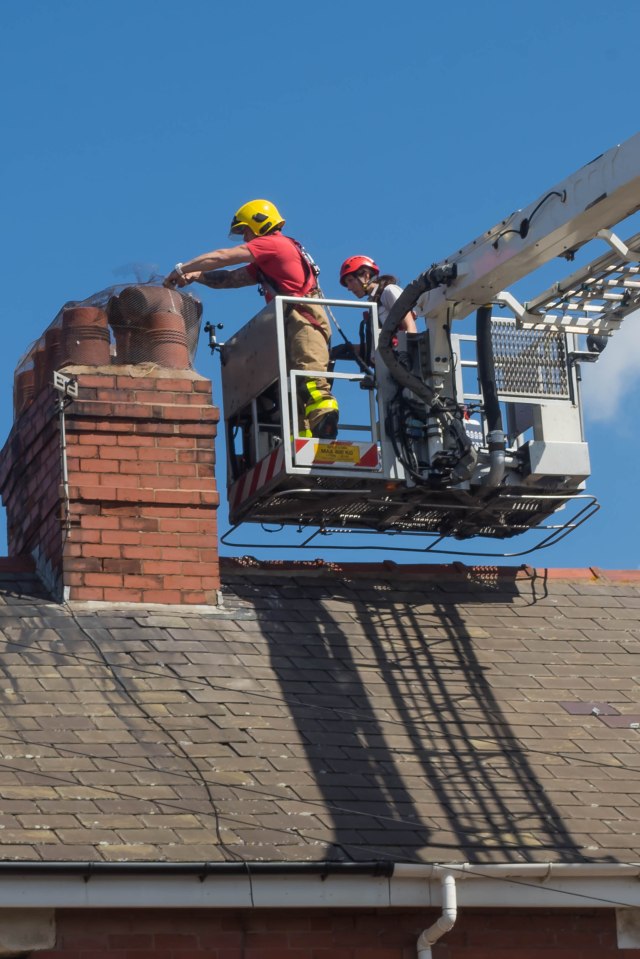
529	362
124	324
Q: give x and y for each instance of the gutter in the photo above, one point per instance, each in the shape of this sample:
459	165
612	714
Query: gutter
272	885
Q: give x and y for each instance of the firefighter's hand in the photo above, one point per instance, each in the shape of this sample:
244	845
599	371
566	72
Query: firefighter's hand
343	351
172	280
178	277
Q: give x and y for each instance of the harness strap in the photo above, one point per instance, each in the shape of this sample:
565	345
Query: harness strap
311	270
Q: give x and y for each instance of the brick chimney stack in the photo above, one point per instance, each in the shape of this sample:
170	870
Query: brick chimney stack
135	520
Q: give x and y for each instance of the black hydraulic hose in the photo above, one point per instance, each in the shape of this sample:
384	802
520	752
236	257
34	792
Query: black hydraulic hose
429	280
486	369
403	305
492	411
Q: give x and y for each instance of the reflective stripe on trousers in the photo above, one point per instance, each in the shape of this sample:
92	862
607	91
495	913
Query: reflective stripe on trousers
307	349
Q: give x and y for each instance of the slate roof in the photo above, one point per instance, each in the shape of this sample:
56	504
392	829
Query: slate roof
347	713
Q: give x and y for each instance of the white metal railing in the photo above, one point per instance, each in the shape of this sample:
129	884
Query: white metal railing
288	381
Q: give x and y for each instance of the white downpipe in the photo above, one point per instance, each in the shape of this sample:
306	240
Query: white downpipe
444	922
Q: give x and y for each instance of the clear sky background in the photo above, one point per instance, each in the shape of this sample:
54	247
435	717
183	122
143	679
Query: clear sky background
133	129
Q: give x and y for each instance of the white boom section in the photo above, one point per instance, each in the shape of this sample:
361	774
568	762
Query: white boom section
594	299
580	208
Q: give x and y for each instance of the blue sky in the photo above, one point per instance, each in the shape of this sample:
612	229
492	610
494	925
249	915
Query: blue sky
133	130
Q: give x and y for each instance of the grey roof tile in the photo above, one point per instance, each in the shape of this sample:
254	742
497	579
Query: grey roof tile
326	713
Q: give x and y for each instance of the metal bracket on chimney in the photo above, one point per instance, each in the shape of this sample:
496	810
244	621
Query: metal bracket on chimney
67	385
67	388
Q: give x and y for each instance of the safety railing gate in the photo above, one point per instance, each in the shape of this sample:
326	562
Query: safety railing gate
274	471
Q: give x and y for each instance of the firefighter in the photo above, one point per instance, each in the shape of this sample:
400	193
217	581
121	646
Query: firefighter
361	276
280	265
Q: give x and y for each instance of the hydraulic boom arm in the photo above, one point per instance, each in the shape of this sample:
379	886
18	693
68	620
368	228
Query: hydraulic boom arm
582	207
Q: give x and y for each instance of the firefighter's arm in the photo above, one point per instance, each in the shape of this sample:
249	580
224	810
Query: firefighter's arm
224	279
185	273
408	323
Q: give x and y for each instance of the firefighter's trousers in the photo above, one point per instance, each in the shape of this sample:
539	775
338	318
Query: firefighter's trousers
308	349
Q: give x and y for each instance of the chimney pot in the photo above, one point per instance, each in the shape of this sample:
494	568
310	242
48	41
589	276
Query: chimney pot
85	337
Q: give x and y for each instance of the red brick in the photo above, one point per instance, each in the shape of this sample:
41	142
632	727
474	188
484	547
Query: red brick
74	579
175	469
139	523
145	581
167	568
89	593
142	468
169	597
136	441
121	537
142	954
208	556
130	941
81	510
177	497
77	478
177	442
100	522
174	525
121	453
126	566
99	465
84	534
199	598
156	454
103	580
128	595
100	550
175	941
121	481
163	483
183	582
96	381
142	552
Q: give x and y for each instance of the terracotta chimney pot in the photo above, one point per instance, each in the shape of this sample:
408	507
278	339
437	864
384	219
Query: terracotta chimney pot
23	390
52	345
85	337
167	340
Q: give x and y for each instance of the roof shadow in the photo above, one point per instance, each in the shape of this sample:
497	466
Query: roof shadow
411	751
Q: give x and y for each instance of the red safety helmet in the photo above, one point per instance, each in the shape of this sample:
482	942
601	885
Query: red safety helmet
354	263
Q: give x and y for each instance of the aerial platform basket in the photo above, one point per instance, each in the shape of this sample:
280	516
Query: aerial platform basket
380	474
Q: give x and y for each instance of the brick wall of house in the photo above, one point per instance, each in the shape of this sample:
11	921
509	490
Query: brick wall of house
141	519
320	934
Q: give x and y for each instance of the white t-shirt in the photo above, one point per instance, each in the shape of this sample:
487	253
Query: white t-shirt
387	298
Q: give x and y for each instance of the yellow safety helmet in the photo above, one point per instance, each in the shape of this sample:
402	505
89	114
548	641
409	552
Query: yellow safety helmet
259	216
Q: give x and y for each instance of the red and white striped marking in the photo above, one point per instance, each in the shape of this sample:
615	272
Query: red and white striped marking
257	477
312	452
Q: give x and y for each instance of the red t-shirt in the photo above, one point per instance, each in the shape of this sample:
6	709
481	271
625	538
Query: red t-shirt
278	257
